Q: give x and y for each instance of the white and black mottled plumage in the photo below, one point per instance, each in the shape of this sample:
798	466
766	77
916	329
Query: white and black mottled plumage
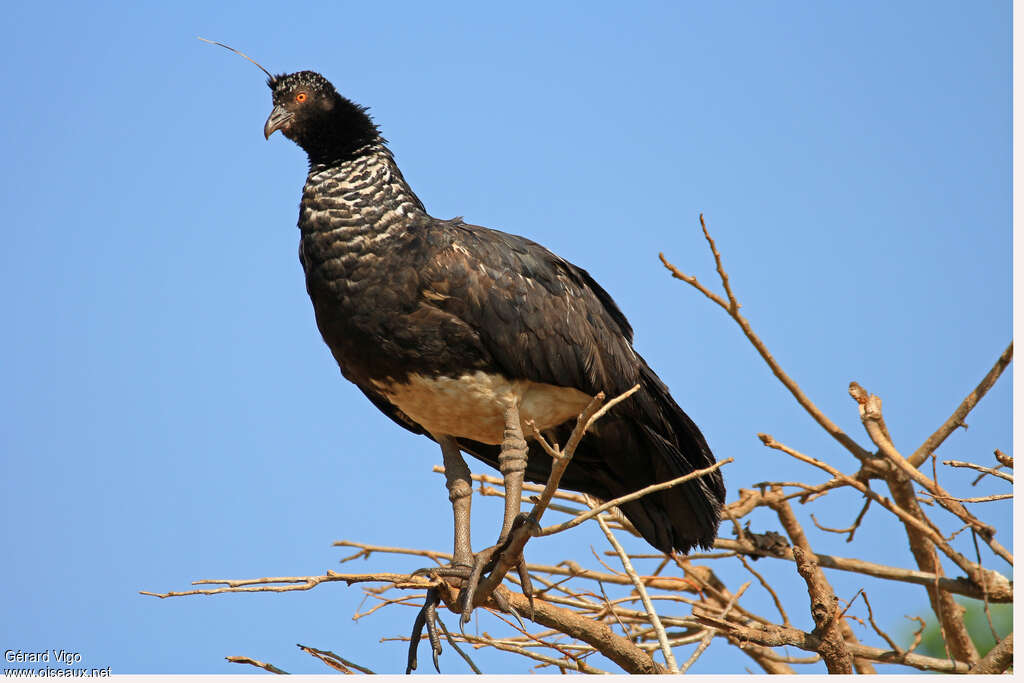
441	323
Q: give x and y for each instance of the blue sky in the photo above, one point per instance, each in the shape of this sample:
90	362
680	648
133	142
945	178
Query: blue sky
171	414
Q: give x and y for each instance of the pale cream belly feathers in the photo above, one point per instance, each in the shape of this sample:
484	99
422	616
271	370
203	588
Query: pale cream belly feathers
471	406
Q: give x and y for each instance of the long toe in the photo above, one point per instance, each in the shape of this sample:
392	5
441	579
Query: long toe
427	617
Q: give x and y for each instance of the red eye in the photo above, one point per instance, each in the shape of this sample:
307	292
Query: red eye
301	97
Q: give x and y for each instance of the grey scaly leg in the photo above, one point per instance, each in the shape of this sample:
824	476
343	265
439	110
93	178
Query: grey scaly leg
460	493
512	463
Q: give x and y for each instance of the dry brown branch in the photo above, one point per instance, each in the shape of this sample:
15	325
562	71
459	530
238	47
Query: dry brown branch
595	511
455	646
910	520
985	470
948	613
768	660
918	634
767	587
334	661
706	640
255	662
978	499
961	412
830	529
1002	592
988	611
294	583
860	518
778	636
732	308
870	407
670	660
998	659
572	664
885	636
530	639
827	620
616	648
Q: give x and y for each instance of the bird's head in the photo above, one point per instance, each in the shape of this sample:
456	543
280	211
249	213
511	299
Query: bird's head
310	112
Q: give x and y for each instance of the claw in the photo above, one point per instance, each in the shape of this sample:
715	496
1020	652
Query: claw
481	564
527	585
427	616
505	606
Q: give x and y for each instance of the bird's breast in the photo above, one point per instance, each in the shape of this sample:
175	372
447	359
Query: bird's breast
472	405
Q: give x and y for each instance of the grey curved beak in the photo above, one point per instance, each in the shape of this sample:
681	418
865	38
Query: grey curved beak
278	119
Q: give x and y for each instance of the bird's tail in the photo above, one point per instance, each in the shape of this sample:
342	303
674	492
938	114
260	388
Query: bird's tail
653	441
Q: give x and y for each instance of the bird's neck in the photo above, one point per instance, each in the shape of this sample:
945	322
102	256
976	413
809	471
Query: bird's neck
362	195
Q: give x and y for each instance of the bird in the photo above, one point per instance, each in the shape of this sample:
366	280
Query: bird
474	337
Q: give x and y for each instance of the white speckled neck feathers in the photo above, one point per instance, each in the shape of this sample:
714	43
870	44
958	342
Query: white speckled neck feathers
364	196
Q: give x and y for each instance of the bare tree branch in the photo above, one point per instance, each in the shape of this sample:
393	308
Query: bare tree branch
776	636
961	412
998	659
255	662
333	660
732	308
670	660
986	470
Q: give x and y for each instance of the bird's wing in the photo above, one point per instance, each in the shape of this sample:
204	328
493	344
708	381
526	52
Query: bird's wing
538	316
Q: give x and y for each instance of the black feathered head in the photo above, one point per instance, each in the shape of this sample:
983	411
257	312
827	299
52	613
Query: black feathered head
310	112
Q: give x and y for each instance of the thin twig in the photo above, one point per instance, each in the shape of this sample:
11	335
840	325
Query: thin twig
871	618
455	646
611	610
670	660
961	561
294	583
255	662
593	512
962	410
778	636
771	591
979	499
986	470
709	636
827	621
918	634
333	660
576	664
870	408
732	308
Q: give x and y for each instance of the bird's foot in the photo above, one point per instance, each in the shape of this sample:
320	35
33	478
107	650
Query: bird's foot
427	616
504	555
469	579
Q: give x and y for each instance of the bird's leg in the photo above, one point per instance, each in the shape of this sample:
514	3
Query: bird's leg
512	463
460	493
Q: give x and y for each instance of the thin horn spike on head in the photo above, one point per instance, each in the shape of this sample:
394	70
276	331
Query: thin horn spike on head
240	54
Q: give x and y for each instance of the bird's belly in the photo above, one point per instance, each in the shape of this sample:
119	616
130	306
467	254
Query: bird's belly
471	406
